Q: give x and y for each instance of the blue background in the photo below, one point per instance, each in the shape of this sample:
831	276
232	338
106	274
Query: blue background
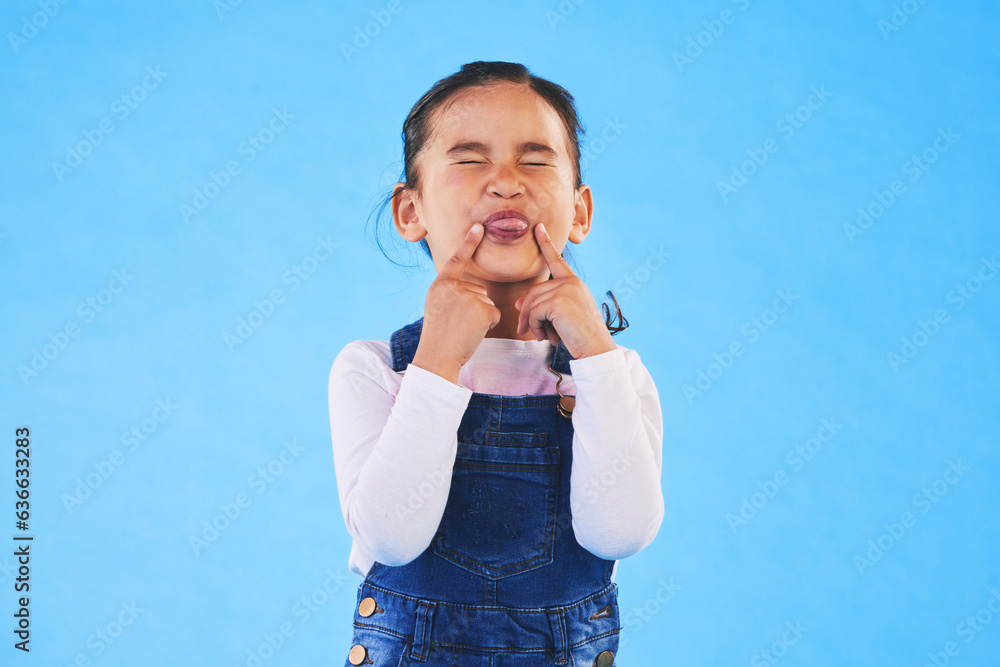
694	94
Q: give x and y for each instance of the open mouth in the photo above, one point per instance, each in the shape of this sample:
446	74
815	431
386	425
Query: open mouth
506	225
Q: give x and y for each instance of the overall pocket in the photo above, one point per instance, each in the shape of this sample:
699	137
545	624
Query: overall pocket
501	511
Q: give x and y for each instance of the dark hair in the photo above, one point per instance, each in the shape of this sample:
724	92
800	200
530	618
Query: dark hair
417	131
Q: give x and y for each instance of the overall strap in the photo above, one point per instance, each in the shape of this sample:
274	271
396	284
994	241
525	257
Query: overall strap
403	345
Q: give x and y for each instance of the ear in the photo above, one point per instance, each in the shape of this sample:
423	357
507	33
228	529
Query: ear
406	213
583	213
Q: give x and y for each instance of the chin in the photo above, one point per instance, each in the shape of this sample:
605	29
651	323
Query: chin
498	273
510	269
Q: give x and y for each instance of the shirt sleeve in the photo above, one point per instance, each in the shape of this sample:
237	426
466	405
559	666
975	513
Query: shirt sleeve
394	445
615	496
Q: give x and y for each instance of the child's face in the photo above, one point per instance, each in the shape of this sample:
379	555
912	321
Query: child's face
463	186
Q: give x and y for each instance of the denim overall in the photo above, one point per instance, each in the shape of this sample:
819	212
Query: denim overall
504	582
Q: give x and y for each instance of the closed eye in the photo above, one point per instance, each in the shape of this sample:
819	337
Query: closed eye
527	164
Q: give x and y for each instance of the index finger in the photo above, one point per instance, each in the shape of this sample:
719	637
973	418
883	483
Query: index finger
455	266
558	267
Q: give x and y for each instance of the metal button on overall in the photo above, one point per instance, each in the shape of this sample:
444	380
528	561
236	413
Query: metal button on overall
367	607
357	654
604	659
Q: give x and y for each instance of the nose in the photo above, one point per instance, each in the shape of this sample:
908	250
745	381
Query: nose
505	183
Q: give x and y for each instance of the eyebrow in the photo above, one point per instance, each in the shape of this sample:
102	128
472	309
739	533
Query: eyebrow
479	147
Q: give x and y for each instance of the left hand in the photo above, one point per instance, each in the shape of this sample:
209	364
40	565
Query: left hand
562	308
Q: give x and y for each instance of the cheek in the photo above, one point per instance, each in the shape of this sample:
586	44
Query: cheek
454	181
555	195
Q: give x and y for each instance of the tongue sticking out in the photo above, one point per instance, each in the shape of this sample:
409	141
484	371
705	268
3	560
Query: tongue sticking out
508	225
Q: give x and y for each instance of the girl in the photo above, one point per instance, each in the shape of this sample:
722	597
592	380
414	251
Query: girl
487	507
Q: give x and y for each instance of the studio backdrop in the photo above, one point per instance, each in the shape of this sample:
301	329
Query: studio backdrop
794	204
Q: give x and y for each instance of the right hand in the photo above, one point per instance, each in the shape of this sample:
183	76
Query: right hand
457	314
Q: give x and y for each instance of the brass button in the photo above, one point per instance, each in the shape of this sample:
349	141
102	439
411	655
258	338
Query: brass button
358	654
604	659
367	607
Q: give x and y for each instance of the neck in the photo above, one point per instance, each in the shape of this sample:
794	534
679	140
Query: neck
504	295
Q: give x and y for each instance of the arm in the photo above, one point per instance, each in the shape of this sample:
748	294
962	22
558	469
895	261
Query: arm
616	497
394	444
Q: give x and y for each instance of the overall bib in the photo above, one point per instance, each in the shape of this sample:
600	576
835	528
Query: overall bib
504	582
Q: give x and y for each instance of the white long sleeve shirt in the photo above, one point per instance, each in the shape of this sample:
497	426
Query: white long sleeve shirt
395	436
